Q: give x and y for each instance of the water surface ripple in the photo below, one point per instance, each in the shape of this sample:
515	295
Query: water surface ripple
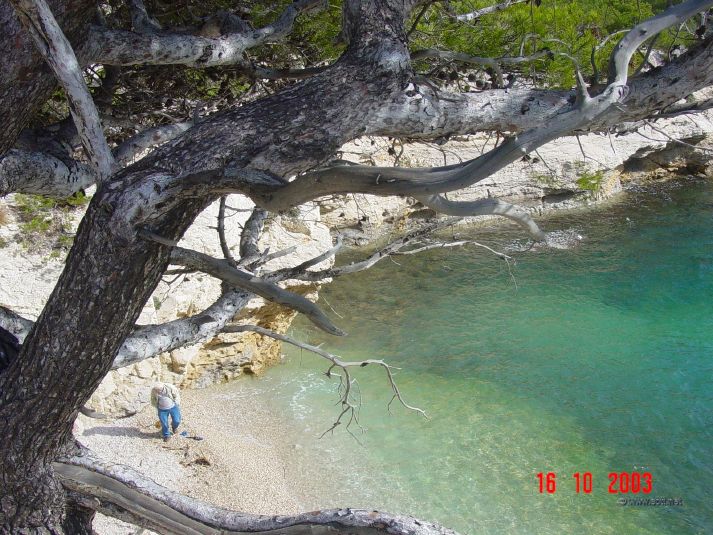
598	359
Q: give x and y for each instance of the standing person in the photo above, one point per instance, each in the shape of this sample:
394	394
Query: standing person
167	400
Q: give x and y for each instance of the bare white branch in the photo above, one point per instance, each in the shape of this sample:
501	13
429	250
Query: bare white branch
238	278
390	249
304	266
122	492
474	15
56	50
625	49
118	47
480	207
673	139
349	407
268	256
450	244
597	48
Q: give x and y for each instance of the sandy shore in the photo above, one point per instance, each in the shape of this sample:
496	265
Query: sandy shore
242	462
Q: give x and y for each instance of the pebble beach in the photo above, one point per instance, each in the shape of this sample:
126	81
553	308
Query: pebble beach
241	462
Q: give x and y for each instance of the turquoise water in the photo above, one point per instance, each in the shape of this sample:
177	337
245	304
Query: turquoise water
594	359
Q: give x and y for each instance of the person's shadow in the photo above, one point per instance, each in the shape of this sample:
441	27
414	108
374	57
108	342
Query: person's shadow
120	431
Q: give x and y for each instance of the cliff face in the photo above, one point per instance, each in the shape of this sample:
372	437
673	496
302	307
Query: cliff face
28	273
564	174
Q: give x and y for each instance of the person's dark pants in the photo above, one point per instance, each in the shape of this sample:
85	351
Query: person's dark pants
175	413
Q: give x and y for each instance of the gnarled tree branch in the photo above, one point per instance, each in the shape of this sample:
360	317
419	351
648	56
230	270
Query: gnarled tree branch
489	206
238	278
148	341
151	340
118	47
56	173
58	53
249	249
130	150
41	173
585	112
120	491
422	113
494	63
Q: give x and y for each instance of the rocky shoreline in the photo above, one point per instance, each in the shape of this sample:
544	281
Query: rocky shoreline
567	173
241	463
244	461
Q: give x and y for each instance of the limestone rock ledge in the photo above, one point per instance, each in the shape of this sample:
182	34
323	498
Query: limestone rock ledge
566	173
27	278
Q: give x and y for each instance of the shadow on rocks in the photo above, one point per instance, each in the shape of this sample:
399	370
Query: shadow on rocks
121	431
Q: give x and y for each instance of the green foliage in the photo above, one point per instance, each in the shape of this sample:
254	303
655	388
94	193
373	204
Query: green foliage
590	181
547	181
320	34
154	94
201	83
77	200
53	110
45	223
574	27
586	179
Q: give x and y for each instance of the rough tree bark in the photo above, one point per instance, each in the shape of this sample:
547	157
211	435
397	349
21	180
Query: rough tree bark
253	149
111	270
27	81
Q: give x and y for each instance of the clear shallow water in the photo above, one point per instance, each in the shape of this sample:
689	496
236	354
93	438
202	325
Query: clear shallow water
600	359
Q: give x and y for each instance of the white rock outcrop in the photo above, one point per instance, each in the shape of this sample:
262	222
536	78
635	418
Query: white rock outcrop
27	279
565	173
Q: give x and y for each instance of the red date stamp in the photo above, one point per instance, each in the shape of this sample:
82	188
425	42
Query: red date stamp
619	482
630	482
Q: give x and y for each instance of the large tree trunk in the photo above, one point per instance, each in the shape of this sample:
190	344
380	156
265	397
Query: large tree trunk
69	351
111	271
